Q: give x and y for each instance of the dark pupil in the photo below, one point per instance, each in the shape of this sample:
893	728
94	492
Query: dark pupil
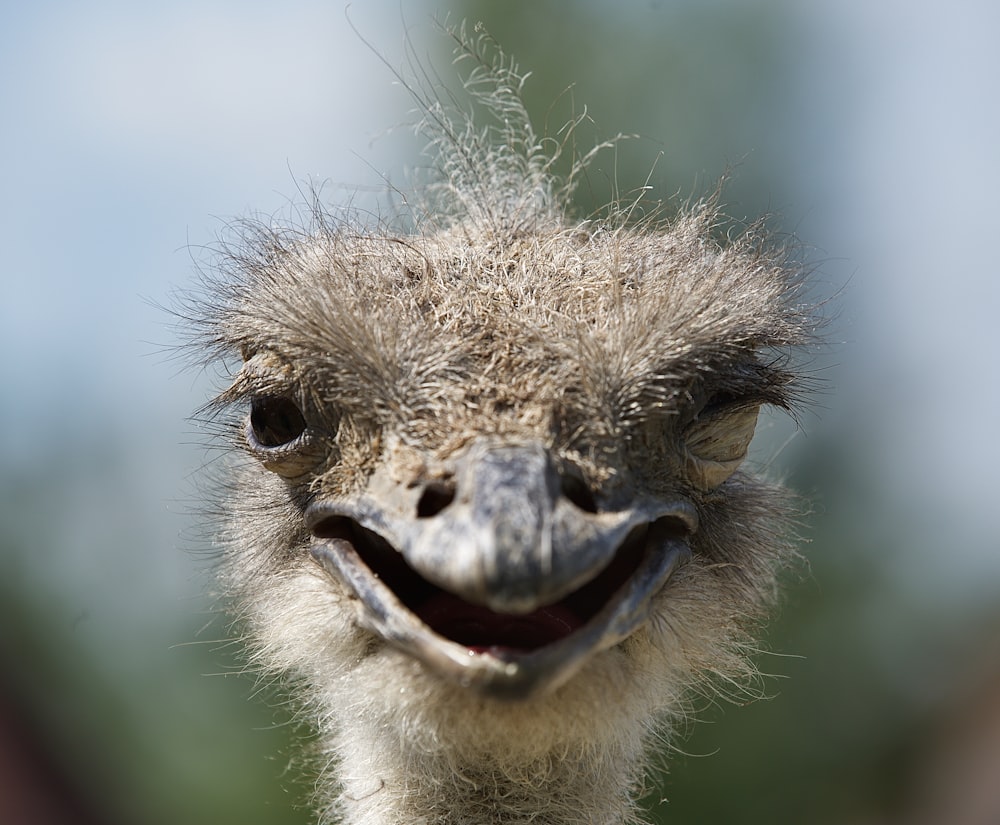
275	421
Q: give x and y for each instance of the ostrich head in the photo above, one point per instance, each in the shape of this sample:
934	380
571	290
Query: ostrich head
486	508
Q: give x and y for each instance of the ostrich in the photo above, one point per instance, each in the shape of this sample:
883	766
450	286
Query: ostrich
485	513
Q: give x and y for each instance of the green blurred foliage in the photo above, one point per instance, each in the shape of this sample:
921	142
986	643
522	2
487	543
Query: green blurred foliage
698	89
125	706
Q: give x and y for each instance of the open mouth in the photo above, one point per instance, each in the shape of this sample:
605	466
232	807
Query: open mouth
505	654
477	627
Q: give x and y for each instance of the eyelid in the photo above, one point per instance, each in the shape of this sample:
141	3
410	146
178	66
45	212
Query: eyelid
253	381
716	443
725	403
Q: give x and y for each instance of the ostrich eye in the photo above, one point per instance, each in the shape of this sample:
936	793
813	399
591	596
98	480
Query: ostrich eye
275	421
718	439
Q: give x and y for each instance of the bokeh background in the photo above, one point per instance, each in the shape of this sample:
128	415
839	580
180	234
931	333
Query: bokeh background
130	133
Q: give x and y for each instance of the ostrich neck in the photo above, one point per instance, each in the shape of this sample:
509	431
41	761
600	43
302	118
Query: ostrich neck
385	778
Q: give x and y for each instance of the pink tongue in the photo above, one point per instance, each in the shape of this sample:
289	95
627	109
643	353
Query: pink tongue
480	628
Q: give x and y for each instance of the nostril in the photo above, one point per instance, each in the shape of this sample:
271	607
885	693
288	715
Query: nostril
436	496
576	490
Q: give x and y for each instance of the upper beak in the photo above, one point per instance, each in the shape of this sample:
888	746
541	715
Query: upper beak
503	562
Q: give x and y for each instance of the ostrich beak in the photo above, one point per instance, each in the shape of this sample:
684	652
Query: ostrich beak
503	580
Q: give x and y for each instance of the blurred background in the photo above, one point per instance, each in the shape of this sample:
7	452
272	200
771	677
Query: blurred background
131	133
